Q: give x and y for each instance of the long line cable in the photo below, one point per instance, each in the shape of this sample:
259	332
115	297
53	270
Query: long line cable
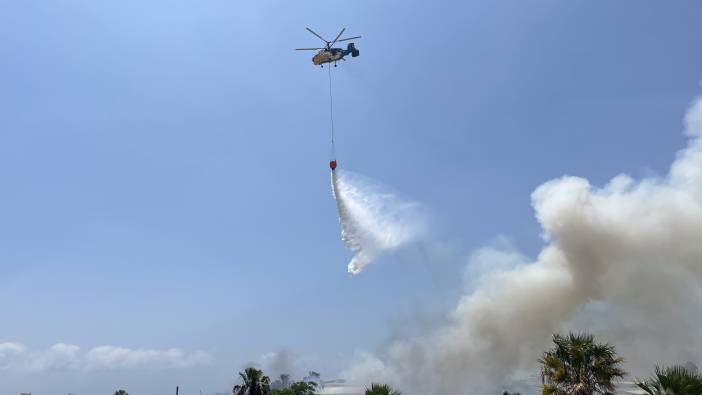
331	112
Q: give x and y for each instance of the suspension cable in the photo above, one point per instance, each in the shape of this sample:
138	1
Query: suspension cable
331	112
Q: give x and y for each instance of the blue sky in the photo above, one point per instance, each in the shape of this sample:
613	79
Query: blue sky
164	164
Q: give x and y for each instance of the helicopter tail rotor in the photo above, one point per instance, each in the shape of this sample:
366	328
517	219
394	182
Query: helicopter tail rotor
352	49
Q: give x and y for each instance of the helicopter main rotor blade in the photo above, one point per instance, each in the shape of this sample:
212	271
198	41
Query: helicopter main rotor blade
308	49
347	39
315	33
337	37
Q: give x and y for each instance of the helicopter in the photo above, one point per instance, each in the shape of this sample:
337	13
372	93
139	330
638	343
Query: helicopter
327	54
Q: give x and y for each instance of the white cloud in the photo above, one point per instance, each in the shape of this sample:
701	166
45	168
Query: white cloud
109	357
16	357
60	356
9	352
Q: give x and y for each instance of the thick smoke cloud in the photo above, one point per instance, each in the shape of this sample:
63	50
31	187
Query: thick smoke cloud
373	220
623	261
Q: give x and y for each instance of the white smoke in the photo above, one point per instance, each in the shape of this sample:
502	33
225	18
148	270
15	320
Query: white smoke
373	220
623	261
276	363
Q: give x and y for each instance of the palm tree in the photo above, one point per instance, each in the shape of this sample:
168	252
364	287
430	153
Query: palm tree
381	389
254	383
576	365
121	392
676	380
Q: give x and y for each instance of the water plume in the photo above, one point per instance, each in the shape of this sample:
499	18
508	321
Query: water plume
373	219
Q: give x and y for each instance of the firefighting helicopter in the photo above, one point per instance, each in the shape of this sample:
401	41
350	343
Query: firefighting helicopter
327	54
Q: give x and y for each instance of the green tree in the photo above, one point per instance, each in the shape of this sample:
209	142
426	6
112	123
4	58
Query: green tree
254	383
121	392
297	388
576	365
303	388
675	380
381	389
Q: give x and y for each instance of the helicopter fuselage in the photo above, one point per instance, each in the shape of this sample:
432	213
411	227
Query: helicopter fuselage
332	55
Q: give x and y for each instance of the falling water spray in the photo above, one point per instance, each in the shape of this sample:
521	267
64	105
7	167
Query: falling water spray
373	219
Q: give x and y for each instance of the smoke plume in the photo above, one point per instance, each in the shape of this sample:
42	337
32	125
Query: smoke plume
276	363
373	220
623	261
